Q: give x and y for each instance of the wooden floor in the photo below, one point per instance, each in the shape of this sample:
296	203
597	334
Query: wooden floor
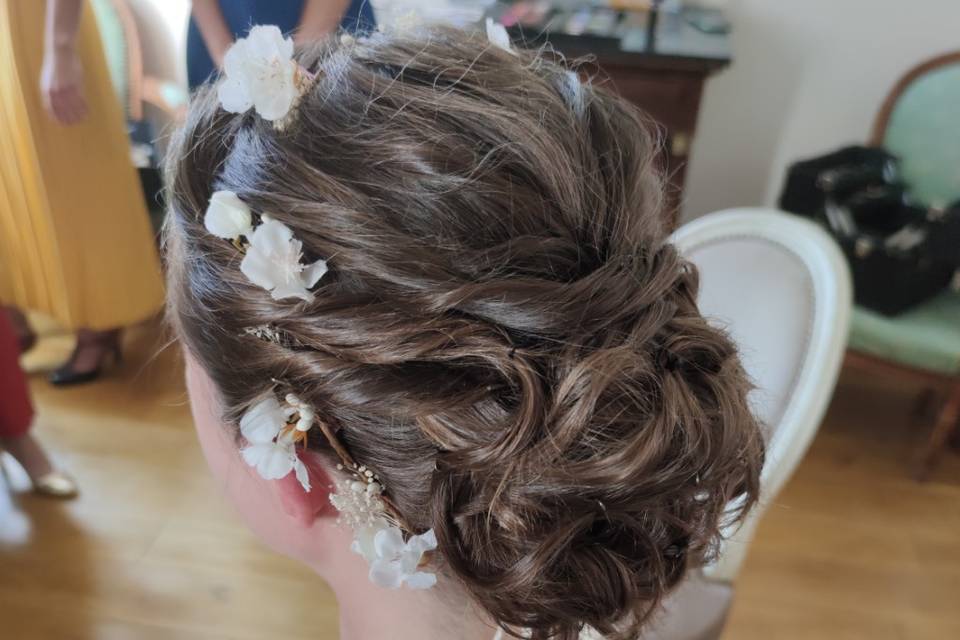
853	548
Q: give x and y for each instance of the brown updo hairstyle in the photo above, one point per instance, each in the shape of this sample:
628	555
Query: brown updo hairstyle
505	334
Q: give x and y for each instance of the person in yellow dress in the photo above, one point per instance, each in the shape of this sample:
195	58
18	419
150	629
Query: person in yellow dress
75	239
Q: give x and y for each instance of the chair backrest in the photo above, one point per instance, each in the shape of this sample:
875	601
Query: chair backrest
918	123
780	286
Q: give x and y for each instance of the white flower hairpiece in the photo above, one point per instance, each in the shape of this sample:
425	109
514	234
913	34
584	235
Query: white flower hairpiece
273	255
272	432
227	216
393	562
273	262
260	72
498	36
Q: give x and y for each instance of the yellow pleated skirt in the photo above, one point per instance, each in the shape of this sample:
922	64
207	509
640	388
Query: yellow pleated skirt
75	238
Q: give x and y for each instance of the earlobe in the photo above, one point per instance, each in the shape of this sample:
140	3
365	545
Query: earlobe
305	507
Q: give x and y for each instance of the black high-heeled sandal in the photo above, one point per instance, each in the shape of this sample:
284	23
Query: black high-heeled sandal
108	341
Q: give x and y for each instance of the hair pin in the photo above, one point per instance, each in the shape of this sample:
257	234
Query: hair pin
265	332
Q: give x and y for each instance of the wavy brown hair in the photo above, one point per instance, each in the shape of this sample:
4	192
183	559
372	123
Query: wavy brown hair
506	335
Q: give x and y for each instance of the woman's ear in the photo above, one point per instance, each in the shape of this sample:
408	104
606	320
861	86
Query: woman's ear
274	509
305	507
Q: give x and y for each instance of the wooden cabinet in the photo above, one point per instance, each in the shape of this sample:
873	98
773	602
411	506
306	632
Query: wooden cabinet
670	91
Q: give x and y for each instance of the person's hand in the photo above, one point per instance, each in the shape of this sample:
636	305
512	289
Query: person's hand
61	84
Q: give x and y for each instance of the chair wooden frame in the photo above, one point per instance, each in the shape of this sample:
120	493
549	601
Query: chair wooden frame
947	386
880	123
142	88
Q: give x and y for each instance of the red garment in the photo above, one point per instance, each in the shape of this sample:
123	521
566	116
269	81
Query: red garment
16	412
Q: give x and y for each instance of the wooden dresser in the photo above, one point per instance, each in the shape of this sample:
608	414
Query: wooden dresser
662	70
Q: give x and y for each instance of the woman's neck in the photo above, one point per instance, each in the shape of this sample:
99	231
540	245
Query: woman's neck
377	614
368	612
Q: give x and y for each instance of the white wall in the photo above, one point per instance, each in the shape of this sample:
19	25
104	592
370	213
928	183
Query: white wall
163	33
807	76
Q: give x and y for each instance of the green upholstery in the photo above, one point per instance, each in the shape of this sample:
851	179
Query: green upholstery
924	131
926	337
114	41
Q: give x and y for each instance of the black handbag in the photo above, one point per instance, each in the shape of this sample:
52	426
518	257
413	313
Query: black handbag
889	278
944	227
842	173
899	252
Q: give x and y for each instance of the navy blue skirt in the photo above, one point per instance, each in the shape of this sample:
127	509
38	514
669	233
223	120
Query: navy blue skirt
242	14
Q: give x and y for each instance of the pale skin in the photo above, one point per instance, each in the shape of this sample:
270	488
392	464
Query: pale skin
27	451
319	18
303	526
61	79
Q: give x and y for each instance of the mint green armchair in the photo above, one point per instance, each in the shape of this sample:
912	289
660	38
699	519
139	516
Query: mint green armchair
919	123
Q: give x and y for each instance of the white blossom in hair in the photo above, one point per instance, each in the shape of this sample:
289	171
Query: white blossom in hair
273	255
273	261
394	563
261	73
272	438
498	36
227	216
273	430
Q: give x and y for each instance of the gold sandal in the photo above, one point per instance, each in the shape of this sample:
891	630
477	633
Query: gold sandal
56	484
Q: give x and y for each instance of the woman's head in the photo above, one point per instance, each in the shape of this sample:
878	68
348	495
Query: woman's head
505	334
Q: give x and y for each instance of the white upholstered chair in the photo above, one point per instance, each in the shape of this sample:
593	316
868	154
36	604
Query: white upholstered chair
780	286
